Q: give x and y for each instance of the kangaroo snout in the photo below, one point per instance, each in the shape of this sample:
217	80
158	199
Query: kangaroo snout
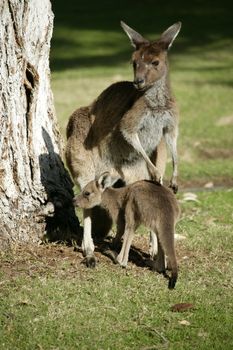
80	202
76	201
139	83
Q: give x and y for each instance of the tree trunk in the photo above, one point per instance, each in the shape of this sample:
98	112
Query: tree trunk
35	189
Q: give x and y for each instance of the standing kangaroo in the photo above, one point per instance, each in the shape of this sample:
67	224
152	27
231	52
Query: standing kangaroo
124	129
143	202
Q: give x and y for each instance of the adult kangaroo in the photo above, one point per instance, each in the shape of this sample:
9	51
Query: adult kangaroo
124	129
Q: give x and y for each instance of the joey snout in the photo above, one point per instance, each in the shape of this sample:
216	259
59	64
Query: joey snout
77	201
81	202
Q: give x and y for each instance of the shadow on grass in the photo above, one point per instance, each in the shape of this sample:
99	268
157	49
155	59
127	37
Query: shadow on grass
204	22
136	255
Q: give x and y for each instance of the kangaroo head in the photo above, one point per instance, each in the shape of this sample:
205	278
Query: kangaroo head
91	194
150	58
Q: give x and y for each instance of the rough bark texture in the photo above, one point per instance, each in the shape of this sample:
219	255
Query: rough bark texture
35	189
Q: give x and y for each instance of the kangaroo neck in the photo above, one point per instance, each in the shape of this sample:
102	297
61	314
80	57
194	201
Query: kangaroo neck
158	94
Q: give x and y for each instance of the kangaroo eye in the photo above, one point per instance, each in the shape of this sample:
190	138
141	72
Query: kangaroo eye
155	63
86	194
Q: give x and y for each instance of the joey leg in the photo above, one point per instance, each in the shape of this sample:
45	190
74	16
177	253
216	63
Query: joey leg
116	243
87	243
153	245
159	264
123	256
169	251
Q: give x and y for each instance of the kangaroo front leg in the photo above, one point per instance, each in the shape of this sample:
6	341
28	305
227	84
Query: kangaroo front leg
171	140
135	142
87	243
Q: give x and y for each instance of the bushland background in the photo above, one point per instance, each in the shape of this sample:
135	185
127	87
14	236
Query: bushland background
49	300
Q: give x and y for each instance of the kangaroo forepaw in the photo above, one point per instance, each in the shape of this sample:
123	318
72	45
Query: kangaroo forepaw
155	175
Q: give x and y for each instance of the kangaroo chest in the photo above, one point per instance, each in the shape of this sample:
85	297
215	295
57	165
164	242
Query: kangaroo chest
152	127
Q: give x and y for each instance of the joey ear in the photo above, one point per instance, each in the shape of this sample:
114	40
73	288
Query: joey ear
169	36
135	38
104	180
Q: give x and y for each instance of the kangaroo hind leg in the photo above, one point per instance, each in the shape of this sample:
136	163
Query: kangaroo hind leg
166	238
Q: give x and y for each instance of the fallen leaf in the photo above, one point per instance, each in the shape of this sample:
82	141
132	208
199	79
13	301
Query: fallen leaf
209	185
228	120
184	323
189	196
181	307
179	237
202	334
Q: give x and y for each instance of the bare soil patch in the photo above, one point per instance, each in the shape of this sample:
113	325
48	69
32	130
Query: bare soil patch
213	153
68	261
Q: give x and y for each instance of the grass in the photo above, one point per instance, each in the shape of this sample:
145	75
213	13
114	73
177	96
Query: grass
48	299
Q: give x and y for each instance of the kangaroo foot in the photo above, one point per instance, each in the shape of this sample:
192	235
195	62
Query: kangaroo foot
111	254
90	261
174	187
121	262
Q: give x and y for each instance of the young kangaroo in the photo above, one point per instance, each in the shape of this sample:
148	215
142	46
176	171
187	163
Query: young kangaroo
124	129
143	202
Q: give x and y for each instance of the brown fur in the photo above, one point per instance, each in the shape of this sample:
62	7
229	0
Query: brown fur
124	129
142	202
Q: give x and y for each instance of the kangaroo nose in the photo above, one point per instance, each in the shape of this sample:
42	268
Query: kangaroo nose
139	83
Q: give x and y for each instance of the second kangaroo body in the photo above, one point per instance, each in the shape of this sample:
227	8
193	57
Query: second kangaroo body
142	202
125	129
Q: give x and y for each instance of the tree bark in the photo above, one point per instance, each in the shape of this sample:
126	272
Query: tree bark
35	189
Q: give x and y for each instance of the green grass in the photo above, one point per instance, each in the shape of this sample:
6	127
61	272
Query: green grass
49	301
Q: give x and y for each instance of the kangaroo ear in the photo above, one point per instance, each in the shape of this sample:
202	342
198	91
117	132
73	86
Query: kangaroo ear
135	38
169	36
104	180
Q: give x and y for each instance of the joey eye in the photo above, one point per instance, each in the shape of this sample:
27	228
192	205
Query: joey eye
155	63
86	194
